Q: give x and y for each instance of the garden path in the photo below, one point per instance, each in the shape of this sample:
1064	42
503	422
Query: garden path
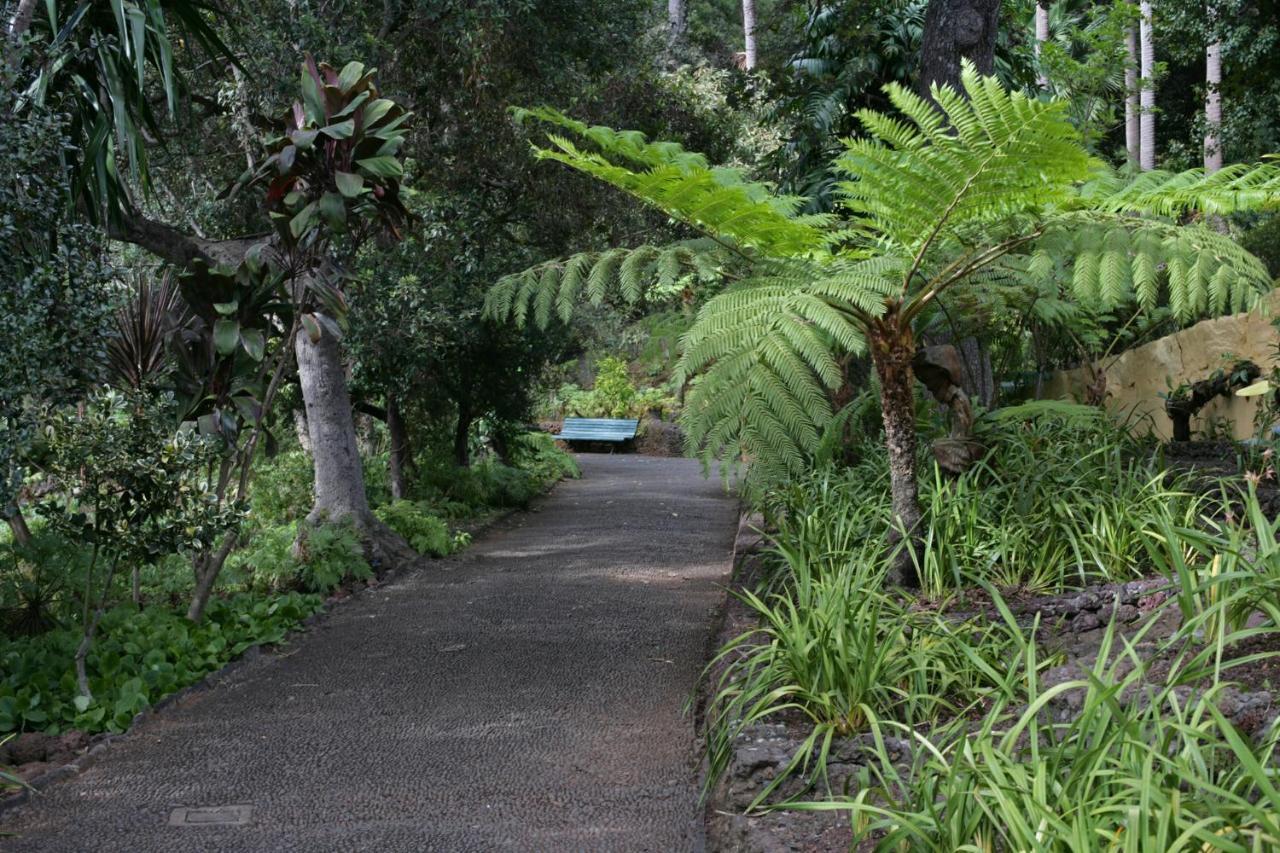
524	695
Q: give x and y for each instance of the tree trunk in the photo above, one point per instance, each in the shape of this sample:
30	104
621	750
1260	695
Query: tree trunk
1042	36
1147	99
398	456
18	526
677	21
749	33
1213	104
892	350
1131	108
339	477
462	439
21	20
135	584
300	429
956	30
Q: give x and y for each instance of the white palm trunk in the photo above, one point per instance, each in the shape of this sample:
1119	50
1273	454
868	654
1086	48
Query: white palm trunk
1213	107
1042	36
749	33
675	20
1131	109
1147	99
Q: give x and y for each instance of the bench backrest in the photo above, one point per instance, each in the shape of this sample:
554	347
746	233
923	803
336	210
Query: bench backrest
599	429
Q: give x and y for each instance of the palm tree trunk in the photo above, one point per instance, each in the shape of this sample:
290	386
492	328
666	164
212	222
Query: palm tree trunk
676	22
749	33
1147	99
892	349
1131	109
1213	105
1042	36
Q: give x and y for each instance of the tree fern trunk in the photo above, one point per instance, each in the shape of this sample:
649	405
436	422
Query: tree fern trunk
18	526
1213	104
891	352
1131	107
749	33
1147	100
1042	36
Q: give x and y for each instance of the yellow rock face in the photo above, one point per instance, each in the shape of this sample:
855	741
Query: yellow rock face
1136	378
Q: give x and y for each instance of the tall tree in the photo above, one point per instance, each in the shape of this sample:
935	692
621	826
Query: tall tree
956	30
749	33
1213	98
1042	36
1132	110
1147	100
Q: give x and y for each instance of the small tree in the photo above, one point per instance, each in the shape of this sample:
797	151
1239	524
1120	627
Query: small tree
130	485
931	201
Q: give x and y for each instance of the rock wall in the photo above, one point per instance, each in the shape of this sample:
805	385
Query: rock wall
1136	378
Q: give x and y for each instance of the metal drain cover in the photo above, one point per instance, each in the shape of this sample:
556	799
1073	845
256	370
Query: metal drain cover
210	816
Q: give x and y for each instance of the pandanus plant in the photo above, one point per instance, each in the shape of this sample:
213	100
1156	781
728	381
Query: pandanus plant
986	184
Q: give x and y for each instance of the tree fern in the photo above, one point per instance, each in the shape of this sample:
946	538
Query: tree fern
994	190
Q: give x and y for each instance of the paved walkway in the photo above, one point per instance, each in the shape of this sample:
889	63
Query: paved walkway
526	695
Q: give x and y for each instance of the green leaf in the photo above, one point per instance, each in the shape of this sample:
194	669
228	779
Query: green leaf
311	327
226	336
312	97
350	75
340	130
254	342
381	167
226	309
82	703
334	211
349	184
301	223
304	139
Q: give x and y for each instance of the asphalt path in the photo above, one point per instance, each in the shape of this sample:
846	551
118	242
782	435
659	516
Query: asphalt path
527	695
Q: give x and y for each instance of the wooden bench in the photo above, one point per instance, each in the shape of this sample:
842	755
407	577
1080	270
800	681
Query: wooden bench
610	430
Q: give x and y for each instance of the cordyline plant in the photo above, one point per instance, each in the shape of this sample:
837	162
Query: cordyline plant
987	185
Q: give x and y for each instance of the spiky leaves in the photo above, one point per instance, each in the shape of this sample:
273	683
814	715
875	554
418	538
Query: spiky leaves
929	177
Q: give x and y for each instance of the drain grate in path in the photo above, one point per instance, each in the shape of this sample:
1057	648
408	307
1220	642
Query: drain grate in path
211	816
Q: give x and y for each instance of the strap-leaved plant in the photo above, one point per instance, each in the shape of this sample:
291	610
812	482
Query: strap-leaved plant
930	199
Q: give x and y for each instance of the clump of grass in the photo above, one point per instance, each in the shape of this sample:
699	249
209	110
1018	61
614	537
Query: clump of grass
837	649
1141	766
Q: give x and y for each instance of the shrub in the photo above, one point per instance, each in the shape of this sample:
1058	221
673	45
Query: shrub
282	488
413	520
1141	766
326	556
834	646
139	657
1058	502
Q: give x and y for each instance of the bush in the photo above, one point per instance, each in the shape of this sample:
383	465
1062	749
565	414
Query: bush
328	555
1058	502
834	646
138	657
282	488
1145	764
413	520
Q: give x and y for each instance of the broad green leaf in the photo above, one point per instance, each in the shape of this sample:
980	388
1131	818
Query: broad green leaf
381	167
340	130
226	309
350	75
349	184
311	327
301	223
334	211
254	342
226	336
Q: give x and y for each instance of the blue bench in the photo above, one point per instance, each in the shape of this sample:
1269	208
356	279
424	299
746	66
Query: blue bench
616	431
